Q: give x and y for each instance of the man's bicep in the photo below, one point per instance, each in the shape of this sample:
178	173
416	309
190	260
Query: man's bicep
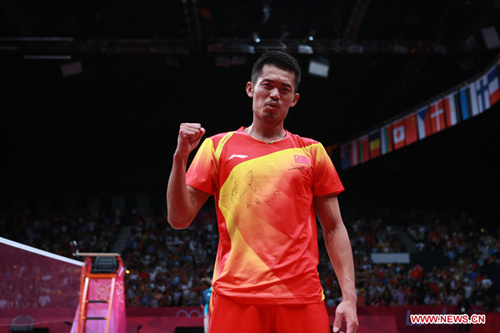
328	211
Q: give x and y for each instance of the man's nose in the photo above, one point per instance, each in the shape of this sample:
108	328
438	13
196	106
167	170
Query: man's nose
275	93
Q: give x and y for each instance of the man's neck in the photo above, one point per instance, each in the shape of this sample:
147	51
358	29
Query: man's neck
268	134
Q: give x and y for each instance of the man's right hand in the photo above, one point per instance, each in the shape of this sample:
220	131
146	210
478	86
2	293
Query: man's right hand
184	201
189	137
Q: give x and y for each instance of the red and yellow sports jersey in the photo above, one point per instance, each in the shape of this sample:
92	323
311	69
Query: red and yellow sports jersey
268	247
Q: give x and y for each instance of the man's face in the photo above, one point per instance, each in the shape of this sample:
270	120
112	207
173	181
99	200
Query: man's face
273	94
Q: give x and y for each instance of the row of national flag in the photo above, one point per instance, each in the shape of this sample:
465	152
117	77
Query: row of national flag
464	102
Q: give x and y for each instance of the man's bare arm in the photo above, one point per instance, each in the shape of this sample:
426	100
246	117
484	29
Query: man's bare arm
183	201
339	249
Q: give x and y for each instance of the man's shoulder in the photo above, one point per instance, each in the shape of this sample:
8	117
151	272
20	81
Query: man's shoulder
217	137
305	141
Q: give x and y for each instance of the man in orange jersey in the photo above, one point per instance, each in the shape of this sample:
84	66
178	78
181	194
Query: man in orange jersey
268	185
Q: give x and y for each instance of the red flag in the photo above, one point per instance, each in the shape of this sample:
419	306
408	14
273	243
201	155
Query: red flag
411	132
398	133
301	159
437	115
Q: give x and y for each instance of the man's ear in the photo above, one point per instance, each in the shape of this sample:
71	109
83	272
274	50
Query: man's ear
249	89
295	100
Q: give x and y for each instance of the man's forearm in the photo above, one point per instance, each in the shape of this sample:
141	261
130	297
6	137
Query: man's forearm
178	207
339	249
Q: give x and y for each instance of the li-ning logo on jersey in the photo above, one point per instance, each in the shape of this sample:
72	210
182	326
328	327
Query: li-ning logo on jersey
301	159
238	156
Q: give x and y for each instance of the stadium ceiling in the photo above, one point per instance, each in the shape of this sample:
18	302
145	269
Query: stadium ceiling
191	26
68	46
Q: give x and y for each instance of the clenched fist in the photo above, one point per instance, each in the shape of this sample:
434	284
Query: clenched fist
189	137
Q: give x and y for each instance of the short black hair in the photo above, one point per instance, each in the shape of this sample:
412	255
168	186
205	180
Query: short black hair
279	59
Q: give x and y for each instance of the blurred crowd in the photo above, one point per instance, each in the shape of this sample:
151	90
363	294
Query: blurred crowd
172	267
94	232
454	260
169	267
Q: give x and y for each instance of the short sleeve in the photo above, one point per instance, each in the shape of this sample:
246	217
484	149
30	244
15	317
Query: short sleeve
202	171
326	179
